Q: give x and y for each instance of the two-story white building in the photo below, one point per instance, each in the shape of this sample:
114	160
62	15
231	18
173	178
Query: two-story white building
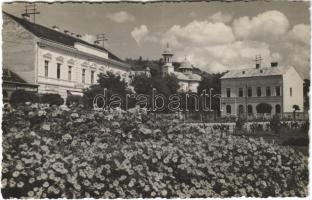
59	62
242	90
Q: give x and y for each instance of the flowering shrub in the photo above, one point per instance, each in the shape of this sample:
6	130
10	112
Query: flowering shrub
49	152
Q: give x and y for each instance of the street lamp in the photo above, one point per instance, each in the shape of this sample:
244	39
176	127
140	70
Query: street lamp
210	90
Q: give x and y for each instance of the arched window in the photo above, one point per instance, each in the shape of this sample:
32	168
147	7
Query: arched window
228	109
277	109
249	109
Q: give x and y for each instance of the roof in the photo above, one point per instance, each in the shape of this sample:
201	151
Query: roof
181	76
194	77
9	76
253	72
57	36
186	65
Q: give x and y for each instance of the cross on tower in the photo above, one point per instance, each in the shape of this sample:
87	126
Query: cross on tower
101	38
30	9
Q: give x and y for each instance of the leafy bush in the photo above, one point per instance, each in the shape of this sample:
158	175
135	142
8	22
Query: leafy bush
240	124
22	96
90	154
73	100
52	99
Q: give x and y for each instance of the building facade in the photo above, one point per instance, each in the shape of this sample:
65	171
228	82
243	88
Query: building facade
58	62
188	80
242	90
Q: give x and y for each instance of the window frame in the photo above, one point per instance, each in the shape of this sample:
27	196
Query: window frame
249	91
278	88
240	92
259	91
228	92
70	72
58	70
46	68
83	75
268	91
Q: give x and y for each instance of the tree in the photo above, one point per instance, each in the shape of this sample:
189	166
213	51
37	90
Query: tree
263	108
112	83
296	108
52	99
211	81
306	89
142	84
172	83
22	96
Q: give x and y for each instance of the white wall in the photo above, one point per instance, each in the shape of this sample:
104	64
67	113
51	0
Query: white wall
78	62
291	79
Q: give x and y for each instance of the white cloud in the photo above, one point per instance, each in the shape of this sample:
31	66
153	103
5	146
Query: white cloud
221	17
89	38
199	33
269	25
120	17
141	34
300	33
216	46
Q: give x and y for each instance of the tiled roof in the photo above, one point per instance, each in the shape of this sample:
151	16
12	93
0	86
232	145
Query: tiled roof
253	72
56	36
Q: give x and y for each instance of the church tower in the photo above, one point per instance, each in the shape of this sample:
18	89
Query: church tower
167	68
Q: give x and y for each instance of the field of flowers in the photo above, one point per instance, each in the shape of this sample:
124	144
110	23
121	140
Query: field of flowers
51	152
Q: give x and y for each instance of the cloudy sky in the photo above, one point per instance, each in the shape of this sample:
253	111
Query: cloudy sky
214	36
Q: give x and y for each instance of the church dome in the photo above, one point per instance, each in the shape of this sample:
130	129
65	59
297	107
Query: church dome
186	65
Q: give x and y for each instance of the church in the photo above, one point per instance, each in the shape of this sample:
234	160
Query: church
188	80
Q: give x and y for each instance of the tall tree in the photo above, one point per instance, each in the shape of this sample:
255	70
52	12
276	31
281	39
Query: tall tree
306	89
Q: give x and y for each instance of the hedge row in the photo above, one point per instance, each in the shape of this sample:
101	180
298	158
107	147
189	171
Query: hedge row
22	96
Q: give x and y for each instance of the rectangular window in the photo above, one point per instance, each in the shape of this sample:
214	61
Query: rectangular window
268	91
259	91
278	91
69	73
290	92
92	77
83	75
58	72
46	68
250	92
228	92
240	92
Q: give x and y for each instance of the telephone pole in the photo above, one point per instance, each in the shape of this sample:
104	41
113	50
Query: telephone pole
30	9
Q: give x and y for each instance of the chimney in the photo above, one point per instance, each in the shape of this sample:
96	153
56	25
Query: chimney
96	42
78	36
274	64
66	32
56	28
